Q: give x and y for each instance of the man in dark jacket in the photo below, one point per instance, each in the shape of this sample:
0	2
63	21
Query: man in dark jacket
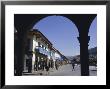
73	64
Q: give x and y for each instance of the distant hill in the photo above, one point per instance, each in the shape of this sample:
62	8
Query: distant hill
92	51
70	57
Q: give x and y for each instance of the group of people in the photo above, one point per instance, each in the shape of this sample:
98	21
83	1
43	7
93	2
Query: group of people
46	65
43	64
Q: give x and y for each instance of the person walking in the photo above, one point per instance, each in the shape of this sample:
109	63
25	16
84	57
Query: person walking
73	64
56	64
47	70
47	67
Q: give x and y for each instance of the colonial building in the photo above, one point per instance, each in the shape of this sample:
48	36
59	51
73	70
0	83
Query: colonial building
61	57
41	50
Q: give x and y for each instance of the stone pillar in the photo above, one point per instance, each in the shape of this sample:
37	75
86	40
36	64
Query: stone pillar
30	62
20	53
24	64
30	55
33	62
84	59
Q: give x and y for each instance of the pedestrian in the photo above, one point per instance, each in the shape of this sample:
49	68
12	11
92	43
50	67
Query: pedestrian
47	70
56	64
43	65
39	65
47	66
73	64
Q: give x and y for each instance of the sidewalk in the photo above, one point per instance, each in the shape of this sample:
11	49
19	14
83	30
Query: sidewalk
38	73
64	70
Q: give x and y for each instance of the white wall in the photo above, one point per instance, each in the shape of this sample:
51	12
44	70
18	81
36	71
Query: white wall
34	43
57	55
42	43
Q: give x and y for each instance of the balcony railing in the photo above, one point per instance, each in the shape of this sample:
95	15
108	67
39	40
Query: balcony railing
41	50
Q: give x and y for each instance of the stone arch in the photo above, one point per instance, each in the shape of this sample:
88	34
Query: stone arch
24	22
64	20
93	32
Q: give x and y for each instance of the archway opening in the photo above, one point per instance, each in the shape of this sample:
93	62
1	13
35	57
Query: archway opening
60	30
79	19
62	33
93	44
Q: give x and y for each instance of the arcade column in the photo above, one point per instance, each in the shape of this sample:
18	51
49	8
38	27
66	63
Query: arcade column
21	41
83	22
20	53
84	56
30	62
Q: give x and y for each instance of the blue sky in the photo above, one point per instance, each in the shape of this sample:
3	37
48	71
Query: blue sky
63	34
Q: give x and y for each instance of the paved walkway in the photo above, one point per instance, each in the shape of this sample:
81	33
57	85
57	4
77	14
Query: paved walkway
65	70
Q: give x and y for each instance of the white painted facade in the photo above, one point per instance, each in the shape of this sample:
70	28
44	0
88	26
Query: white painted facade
37	43
45	50
57	55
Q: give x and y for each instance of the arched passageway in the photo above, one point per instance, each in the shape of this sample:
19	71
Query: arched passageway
62	32
23	23
93	33
93	43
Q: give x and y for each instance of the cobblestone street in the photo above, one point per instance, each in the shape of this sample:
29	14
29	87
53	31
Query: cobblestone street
64	70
